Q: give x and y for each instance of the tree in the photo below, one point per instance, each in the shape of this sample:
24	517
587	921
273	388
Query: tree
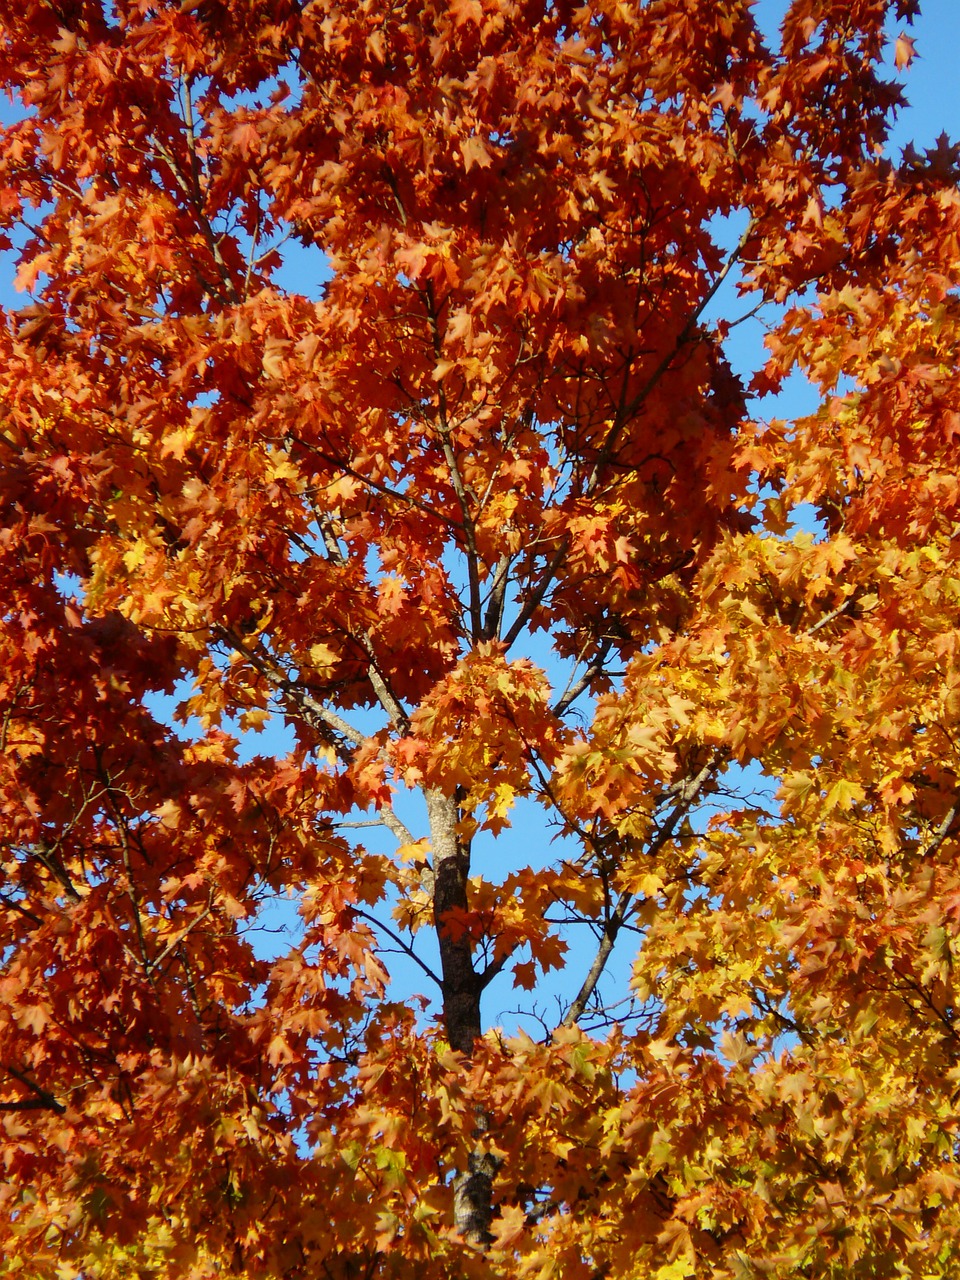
369	384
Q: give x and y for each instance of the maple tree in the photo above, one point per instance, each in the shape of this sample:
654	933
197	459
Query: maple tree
367	383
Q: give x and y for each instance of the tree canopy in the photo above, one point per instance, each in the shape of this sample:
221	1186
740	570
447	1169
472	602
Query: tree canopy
368	387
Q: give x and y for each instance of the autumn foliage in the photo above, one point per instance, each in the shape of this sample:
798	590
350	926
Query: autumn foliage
367	391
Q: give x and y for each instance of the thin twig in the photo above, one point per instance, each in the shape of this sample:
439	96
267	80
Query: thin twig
574	691
687	791
830	617
405	947
175	943
610	930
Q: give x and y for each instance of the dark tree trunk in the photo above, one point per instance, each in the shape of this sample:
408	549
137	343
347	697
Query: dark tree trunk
473	1190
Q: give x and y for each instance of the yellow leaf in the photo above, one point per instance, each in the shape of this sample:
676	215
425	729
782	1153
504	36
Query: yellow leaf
136	556
844	794
509	1227
650	884
322	657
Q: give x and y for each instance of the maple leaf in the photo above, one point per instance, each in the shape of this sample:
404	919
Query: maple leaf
904	52
475	152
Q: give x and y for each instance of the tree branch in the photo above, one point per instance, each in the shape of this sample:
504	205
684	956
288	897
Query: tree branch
941	832
473	573
610	930
318	715
404	946
536	599
687	790
593	670
493	619
175	943
41	1100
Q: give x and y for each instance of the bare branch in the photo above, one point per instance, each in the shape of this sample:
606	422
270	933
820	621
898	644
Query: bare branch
610	930
574	691
456	480
175	943
12	905
941	832
317	714
310	707
830	617
687	790
53	864
487	975
377	486
535	600
385	695
493	620
40	1101
405	947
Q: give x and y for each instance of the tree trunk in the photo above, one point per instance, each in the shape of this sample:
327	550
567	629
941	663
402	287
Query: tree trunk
473	1188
